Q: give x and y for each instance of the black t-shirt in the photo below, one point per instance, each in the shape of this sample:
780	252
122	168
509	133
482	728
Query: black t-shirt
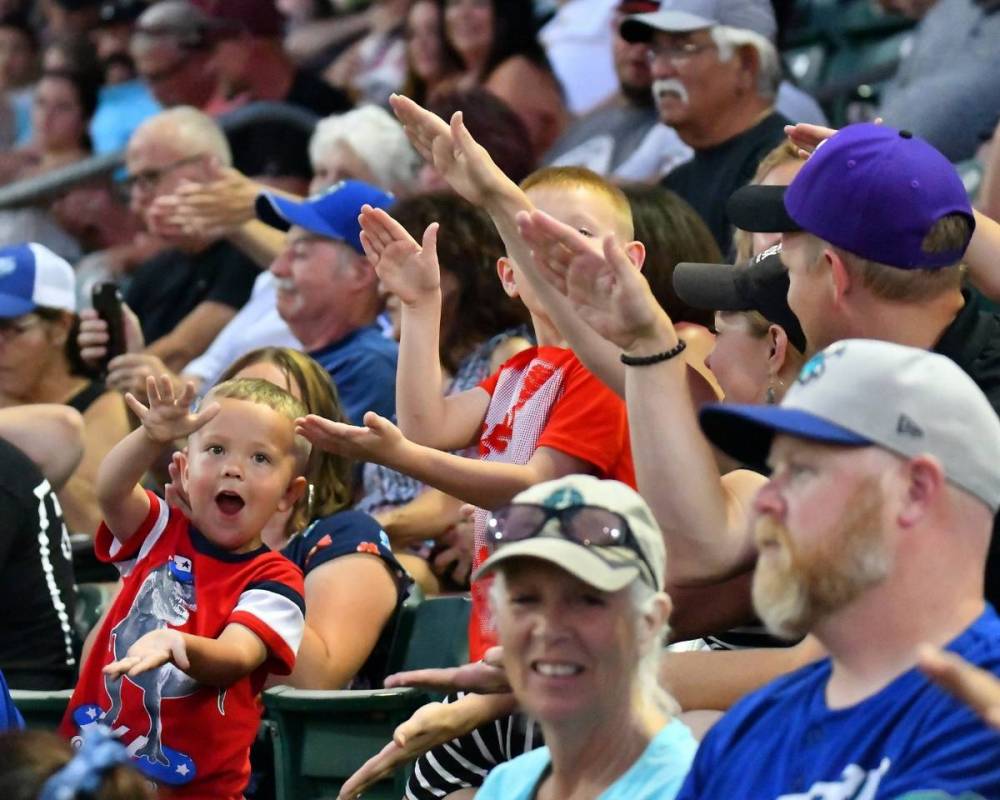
37	638
973	342
274	148
169	286
707	180
342	534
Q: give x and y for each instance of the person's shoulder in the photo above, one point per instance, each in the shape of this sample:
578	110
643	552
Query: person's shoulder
341	534
19	475
661	769
979	644
515	779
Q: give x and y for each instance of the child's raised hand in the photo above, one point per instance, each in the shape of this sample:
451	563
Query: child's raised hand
460	159
168	416
153	650
378	441
604	286
407	269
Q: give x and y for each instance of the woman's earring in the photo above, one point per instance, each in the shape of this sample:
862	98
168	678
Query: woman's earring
771	394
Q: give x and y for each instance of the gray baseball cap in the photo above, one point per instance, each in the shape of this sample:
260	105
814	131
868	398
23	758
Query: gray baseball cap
684	16
862	392
605	568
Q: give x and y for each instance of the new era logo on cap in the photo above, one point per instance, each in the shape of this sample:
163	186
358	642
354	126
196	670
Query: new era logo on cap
861	392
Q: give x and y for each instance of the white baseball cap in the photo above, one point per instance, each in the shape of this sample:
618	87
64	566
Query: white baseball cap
31	276
861	392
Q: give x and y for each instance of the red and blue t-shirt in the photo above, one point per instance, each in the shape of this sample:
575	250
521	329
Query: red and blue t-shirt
191	738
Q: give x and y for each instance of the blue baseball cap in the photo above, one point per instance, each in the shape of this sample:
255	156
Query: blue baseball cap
332	213
31	276
860	392
870	189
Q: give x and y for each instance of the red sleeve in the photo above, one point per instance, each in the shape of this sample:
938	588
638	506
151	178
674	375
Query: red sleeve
110	551
272	606
588	422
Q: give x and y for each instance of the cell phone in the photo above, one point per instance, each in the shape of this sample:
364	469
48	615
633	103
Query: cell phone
107	302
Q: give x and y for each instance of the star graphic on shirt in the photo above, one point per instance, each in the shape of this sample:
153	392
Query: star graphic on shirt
92	713
182	769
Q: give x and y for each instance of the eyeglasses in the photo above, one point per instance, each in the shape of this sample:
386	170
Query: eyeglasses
590	526
676	53
149	179
11	329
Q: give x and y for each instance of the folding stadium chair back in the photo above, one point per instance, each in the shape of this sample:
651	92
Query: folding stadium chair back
322	737
41	710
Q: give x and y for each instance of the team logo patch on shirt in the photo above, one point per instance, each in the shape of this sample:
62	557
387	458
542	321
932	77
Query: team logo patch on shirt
181	569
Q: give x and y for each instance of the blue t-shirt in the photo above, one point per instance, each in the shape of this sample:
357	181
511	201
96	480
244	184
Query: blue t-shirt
10	717
343	534
783	743
121	108
363	368
658	773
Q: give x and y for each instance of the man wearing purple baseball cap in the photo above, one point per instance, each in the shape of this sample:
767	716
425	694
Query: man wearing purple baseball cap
873	230
327	292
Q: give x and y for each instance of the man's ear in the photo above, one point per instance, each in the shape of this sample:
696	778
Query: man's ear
636	252
925	481
296	489
505	271
749	60
840	276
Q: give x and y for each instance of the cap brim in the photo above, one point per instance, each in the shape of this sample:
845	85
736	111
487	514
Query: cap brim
760	209
12	306
708	286
640	27
282	213
595	566
745	432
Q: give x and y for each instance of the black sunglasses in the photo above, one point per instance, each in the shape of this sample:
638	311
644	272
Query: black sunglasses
590	526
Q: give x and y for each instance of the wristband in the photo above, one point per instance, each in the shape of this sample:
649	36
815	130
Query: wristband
656	358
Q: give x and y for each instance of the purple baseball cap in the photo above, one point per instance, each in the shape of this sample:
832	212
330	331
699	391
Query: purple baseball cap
332	213
870	189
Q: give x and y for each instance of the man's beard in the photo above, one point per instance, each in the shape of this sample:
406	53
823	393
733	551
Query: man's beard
793	590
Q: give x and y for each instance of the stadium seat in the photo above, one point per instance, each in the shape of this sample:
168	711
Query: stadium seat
91	601
41	710
322	737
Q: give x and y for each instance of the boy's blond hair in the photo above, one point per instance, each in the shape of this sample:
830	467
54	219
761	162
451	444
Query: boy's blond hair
265	393
583	178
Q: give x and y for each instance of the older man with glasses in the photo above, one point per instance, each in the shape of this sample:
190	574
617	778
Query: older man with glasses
716	76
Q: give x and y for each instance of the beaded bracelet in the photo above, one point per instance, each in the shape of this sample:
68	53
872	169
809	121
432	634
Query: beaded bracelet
656	358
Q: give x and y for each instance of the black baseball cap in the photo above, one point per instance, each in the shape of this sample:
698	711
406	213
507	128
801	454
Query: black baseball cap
762	286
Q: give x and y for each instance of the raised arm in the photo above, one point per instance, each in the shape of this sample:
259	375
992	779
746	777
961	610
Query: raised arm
471	172
122	499
411	272
702	516
487	484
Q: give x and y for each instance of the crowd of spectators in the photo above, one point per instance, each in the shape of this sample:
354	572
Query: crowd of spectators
580	309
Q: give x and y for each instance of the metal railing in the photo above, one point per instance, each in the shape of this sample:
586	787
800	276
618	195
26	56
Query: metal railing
42	187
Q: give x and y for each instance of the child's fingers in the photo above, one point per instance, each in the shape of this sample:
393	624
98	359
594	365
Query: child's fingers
137	408
166	388
206	415
152	390
187	395
429	243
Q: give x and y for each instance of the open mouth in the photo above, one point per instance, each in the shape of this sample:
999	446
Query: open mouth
229	503
556	669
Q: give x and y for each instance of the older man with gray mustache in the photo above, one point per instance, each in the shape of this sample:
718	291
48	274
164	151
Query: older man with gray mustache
716	76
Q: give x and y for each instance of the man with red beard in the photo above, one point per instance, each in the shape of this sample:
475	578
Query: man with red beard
873	533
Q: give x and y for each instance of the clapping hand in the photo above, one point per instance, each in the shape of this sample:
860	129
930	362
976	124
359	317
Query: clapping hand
604	286
378	440
460	160
168	416
407	269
